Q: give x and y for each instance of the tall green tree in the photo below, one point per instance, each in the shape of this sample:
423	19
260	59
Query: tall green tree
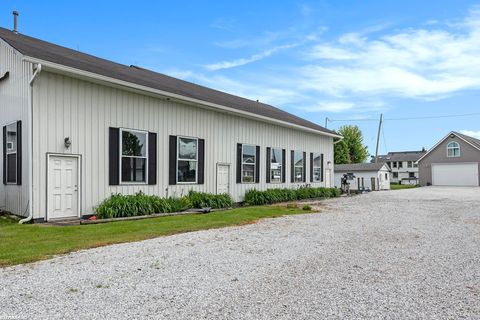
351	149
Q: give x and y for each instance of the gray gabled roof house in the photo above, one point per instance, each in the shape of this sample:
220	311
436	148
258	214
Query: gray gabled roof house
453	161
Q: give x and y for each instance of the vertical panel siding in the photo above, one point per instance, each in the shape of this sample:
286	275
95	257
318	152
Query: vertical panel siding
84	111
14	104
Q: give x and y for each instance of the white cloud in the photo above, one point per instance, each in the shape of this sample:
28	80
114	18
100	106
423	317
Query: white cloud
331	106
413	63
475	134
244	61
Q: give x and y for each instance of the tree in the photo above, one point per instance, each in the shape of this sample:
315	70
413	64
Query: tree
351	149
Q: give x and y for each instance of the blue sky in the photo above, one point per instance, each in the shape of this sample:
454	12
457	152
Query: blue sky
316	59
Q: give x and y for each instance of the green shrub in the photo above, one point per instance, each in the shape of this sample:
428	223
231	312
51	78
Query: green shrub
139	204
208	200
306	207
255	197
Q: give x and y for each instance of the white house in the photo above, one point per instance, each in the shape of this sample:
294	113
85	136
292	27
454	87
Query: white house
77	128
403	165
368	176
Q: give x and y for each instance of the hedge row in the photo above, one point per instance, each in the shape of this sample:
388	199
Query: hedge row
255	197
139	204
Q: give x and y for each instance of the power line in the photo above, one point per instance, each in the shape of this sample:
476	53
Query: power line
408	118
384	140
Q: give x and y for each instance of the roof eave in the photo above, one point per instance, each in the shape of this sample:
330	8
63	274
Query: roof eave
51	66
443	139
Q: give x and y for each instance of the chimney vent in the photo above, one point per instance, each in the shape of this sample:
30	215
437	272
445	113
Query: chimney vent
15	21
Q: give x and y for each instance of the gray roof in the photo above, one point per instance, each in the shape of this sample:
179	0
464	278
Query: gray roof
472	140
354	167
50	52
402	156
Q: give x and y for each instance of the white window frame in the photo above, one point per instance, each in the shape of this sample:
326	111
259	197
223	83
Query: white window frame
282	168
409	164
400	164
453	148
254	164
314	167
122	156
296	166
181	159
12	152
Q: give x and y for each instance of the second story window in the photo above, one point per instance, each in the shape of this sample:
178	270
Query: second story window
453	149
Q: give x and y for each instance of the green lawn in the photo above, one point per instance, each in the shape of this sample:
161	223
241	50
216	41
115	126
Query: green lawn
402	186
32	242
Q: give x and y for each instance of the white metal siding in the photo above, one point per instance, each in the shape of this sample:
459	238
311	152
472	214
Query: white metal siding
14	104
83	111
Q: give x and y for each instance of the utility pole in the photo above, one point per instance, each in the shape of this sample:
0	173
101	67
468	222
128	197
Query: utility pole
326	122
378	137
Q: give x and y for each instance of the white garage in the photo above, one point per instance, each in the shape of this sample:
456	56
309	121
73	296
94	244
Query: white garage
455	174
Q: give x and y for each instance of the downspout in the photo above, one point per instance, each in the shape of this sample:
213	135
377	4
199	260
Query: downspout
38	69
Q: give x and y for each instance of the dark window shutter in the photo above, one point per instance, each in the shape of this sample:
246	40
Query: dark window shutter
257	165
292	167
4	155
172	160
304	166
201	161
311	167
114	156
269	150
321	175
19	152
239	163
152	158
284	165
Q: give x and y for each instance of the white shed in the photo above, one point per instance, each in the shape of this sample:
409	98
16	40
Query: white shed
77	128
368	176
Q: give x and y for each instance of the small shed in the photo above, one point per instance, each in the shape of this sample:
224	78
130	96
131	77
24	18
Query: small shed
367	176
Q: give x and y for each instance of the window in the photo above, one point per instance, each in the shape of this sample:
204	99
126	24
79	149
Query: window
298	166
400	164
276	165
187	160
11	158
317	167
395	175
453	150
409	164
415	165
394	164
134	146
386	176
411	174
248	163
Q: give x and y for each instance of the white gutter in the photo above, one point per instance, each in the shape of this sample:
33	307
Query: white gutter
62	68
38	69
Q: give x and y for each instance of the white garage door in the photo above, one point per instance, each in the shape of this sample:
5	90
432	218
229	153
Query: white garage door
455	174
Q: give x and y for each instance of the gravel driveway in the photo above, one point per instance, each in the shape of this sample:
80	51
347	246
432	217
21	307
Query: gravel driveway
407	254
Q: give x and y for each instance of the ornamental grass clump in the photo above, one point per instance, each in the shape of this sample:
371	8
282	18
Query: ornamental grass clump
255	197
139	204
208	200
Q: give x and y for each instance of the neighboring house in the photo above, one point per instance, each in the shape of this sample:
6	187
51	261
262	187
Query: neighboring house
77	128
453	161
368	176
403	165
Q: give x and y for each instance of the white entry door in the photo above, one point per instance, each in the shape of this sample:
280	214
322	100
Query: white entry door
455	174
328	178
223	178
63	187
